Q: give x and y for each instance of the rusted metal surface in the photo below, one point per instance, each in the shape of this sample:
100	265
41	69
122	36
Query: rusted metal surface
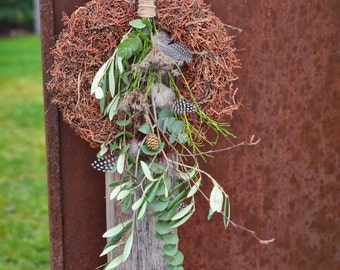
287	186
76	191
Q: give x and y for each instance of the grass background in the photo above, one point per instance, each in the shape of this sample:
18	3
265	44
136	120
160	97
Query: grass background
23	193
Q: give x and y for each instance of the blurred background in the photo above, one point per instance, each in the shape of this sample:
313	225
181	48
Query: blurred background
23	188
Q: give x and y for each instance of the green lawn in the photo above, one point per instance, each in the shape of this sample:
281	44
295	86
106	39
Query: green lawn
23	195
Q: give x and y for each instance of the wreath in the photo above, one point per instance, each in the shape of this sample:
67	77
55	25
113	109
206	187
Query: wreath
144	85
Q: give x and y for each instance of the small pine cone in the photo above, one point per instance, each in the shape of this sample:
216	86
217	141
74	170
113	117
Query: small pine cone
181	106
152	141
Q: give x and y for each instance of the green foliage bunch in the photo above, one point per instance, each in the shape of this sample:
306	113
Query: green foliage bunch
158	179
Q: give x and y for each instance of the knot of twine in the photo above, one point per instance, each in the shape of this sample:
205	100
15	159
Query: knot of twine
146	8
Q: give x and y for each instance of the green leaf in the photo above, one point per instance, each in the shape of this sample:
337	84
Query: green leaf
163	227
123	194
216	199
138	24
173	138
123	123
121	163
177	127
145	128
181	221
115	192
113	107
149	152
158	206
177	259
137	203
117	229
107	250
171	238
142	211
119	63
194	188
115	262
112	83
226	212
169	249
182	138
177	199
146	171
95	88
103	150
128	246
187	175
183	212
158	168
153	192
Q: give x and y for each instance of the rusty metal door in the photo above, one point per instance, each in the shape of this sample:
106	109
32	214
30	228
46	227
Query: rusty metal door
286	187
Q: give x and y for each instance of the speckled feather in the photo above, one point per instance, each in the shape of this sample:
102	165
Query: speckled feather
181	106
104	164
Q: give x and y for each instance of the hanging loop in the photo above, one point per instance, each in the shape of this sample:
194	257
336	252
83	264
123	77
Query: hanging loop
146	8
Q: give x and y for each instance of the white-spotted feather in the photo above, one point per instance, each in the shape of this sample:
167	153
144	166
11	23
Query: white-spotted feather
104	164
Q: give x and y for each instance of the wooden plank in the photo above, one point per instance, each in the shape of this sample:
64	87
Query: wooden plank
146	251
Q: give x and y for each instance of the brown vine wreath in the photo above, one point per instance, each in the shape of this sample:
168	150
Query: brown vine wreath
91	36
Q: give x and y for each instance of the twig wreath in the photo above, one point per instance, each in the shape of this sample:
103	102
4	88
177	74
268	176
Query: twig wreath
144	87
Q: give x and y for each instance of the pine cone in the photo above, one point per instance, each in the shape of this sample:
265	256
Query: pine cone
152	141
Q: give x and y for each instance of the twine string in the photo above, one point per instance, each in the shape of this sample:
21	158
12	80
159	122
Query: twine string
146	8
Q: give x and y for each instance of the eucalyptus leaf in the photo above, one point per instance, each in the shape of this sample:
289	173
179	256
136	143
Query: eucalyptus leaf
113	109
121	162
115	192
146	171
145	128
103	150
173	137
117	229
171	238
163	227
112	83
177	259
169	249
216	199
108	249
123	123
128	246
153	192
149	152
119	63
158	206
137	203
98	77
183	212
186	176
121	195
194	188
115	262
182	138
138	24
142	211
181	221
176	200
